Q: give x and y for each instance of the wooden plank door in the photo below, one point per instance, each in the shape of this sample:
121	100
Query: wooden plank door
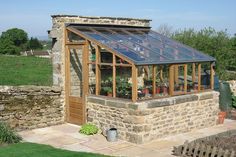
75	104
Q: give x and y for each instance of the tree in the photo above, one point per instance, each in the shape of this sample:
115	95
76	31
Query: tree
7	46
165	30
13	41
215	43
34	44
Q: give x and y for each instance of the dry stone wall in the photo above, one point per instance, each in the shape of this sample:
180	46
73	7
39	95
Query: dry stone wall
148	120
28	107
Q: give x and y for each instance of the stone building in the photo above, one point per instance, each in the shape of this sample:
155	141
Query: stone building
76	39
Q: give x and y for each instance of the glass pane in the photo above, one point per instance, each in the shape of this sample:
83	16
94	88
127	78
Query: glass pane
123	82
106	80
205	76
76	72
144	46
92	78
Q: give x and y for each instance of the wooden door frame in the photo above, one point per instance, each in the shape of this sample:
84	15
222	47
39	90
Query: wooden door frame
85	73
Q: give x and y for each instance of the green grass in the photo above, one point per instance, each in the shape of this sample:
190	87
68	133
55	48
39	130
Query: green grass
21	70
38	150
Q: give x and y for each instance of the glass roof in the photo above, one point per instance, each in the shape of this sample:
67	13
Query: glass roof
143	46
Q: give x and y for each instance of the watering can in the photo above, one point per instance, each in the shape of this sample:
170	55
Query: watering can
111	134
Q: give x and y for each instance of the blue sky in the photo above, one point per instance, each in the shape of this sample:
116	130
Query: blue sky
34	15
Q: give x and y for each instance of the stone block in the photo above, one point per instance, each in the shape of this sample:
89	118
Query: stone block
93	99
185	98
117	104
205	96
1	107
134	138
159	103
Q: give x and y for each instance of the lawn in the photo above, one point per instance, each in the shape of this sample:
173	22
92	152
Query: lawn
22	70
38	150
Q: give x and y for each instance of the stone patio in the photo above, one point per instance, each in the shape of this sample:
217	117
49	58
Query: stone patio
66	136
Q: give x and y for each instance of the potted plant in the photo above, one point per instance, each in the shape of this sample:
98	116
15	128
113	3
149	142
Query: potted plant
181	86
108	91
158	86
164	87
146	90
195	87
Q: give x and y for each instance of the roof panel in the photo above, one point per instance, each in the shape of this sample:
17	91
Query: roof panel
144	47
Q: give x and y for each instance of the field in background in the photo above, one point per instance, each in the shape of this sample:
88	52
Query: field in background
21	70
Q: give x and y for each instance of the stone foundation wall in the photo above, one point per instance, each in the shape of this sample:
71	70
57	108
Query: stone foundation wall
232	84
28	107
148	120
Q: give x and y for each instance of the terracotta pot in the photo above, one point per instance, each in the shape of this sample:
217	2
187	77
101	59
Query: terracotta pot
109	94
165	90
221	117
158	90
145	91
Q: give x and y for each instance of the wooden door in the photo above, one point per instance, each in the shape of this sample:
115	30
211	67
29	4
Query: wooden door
75	104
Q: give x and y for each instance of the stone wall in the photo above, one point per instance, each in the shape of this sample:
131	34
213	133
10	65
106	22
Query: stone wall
57	34
232	84
144	121
28	107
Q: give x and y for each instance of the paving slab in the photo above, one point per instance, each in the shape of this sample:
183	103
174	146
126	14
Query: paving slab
66	136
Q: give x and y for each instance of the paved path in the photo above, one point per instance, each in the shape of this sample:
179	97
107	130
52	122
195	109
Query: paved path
66	136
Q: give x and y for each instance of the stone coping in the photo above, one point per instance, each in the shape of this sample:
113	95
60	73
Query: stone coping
148	104
31	88
102	17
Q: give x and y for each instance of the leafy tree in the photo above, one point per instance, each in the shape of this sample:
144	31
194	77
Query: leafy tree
34	44
7	47
13	41
215	43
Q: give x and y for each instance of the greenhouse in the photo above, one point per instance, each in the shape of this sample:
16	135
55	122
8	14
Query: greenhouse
119	73
138	63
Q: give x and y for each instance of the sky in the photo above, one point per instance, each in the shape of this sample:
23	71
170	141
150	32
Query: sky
34	16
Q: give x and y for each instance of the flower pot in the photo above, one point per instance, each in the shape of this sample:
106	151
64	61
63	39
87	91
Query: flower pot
221	117
146	91
109	94
165	90
158	90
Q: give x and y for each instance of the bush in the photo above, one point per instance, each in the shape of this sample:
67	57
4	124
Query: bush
234	101
7	135
89	129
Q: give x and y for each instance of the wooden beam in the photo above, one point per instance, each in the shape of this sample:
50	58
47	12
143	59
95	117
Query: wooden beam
134	83
98	70
67	74
85	78
193	73
199	77
176	74
212	76
185	78
76	43
114	75
154	69
171	80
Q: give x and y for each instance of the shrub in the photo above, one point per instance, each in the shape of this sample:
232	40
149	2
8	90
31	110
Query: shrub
7	135
88	129
234	101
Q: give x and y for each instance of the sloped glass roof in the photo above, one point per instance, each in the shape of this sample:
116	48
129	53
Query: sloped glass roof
143	46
